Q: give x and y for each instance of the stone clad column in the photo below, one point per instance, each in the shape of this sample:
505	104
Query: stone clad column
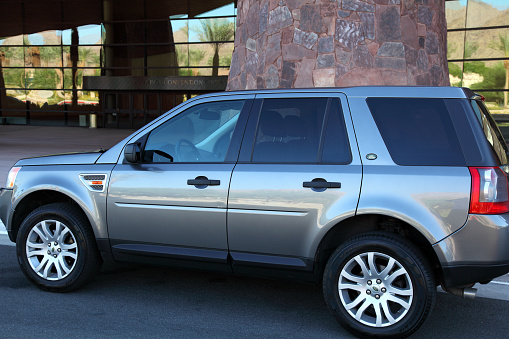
326	43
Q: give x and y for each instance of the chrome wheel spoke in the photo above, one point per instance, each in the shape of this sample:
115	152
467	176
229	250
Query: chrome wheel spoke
399	301
393	276
351	277
356	302
361	310
55	257
46	230
354	287
371	263
31	244
35	253
67	247
362	265
388	313
40	233
378	298
378	313
69	254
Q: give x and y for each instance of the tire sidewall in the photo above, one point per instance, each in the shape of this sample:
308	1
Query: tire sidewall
74	226
394	249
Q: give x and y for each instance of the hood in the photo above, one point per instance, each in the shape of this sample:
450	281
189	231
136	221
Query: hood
62	159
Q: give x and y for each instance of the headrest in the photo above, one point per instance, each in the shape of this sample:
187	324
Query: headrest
272	124
295	126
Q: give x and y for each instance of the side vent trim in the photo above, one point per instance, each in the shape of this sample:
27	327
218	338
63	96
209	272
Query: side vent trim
94	182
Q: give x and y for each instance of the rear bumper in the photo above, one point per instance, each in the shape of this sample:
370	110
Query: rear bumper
478	252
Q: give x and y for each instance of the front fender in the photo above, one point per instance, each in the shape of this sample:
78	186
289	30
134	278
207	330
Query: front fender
65	179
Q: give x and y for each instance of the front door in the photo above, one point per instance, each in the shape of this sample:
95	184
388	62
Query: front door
173	203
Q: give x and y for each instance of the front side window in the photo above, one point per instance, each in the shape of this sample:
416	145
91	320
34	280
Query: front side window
200	134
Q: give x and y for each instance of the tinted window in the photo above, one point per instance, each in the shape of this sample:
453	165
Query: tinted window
336	148
491	131
289	130
417	131
200	134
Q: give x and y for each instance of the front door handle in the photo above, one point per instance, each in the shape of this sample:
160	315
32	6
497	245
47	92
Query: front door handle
203	181
316	183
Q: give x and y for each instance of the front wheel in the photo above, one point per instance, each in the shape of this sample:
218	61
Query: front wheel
56	248
379	285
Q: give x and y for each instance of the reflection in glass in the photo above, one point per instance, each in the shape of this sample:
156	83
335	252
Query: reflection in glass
483	44
13	56
14	77
456	73
485	13
45	38
221	11
45	99
456	11
89	56
455	45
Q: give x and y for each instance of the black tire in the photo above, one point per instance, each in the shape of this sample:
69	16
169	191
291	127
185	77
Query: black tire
54	266
413	286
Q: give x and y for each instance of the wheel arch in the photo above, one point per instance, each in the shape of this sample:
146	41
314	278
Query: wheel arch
39	198
360	224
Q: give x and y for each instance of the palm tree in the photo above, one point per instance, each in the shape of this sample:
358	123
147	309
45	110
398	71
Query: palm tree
217	32
503	46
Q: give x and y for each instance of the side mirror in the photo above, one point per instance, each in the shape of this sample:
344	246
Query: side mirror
132	153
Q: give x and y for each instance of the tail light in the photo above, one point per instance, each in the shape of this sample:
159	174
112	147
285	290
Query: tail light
489	193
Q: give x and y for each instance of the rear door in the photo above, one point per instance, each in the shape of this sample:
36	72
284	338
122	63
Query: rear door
298	174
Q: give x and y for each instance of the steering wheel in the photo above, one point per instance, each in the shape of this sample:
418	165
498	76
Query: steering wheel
178	151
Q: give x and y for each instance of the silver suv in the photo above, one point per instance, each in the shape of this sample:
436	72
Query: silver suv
379	193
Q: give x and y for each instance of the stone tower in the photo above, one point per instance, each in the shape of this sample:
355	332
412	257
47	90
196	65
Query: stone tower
326	43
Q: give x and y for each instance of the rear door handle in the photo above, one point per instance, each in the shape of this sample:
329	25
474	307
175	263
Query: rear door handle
203	181
321	184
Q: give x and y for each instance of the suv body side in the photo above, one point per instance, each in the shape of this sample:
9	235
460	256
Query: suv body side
432	200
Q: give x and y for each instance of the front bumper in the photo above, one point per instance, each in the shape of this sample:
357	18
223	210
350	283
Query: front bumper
477	252
5	207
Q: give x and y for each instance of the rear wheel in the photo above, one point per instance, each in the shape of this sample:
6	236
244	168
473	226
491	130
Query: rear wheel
379	285
56	248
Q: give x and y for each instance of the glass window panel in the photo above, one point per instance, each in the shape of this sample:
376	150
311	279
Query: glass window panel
162	56
159	32
206	30
180	29
45	78
13	40
89	100
182	54
90	35
14	77
455	13
336	148
45	99
483	13
89	56
200	134
456	73
33	56
225	10
200	55
289	130
44	118
487	44
45	38
13	56
455	45
51	56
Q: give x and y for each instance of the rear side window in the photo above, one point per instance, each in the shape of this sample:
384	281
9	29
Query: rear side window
417	131
300	130
491	131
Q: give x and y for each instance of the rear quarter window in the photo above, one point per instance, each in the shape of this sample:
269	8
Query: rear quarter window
417	131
